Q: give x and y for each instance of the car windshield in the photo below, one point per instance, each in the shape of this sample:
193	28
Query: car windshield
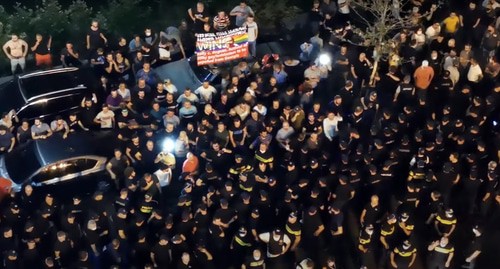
64	168
201	72
22	163
37	85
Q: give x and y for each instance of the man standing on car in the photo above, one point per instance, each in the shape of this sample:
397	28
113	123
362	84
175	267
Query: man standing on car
16	50
253	33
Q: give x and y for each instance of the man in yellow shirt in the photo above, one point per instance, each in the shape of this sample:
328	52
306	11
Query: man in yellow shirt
451	23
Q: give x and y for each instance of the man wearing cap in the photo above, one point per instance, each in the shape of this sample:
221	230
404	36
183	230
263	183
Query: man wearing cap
240	245
474	249
441	254
423	76
278	244
241	165
294	230
256	261
387	237
312	230
403	257
10	260
161	253
406	225
445	223
365	243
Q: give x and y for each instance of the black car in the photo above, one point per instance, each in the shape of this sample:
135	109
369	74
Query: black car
57	160
46	93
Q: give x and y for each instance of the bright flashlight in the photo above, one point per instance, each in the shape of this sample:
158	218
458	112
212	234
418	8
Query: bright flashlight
324	59
168	145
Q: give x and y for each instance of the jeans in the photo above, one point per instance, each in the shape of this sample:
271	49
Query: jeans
252	48
17	61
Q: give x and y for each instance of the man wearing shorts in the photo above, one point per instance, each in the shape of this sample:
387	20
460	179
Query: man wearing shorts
41	48
16	50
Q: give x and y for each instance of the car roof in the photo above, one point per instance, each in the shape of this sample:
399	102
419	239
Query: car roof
30	157
41	83
78	144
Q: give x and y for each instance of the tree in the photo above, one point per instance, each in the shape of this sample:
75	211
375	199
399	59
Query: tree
125	16
381	20
271	14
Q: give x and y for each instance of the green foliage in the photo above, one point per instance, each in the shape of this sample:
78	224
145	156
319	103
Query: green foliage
125	16
269	14
49	18
79	15
19	21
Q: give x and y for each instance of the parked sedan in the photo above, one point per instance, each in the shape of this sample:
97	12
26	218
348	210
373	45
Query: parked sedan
46	93
57	160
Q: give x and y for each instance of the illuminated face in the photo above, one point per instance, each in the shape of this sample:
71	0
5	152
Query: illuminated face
150	145
95	24
14	38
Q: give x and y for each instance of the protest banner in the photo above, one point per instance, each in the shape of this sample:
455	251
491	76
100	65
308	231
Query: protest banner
220	47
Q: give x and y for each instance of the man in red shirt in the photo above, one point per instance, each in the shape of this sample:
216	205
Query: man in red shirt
423	78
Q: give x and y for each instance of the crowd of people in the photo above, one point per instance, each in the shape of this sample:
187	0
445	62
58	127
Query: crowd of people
276	168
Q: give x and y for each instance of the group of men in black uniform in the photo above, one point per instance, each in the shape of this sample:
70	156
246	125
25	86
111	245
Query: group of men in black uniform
279	188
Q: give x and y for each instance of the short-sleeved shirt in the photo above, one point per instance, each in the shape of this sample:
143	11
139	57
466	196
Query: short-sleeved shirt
106	119
58	128
43	129
242	16
221	24
198	24
251	30
451	24
5	140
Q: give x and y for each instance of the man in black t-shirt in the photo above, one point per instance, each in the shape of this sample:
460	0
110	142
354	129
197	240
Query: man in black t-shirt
199	16
160	253
95	38
116	167
41	48
63	249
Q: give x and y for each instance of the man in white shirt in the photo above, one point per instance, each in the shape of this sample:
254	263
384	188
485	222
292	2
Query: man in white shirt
206	92
164	175
253	33
284	135
330	125
106	118
433	31
475	73
169	86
